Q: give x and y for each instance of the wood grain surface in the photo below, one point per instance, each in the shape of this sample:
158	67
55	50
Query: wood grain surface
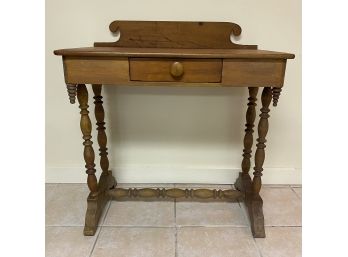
175	34
96	71
173	52
194	70
162	53
253	72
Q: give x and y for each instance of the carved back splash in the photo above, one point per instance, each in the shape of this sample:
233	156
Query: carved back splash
175	34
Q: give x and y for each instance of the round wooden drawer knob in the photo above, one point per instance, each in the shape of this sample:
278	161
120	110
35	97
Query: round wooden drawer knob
177	70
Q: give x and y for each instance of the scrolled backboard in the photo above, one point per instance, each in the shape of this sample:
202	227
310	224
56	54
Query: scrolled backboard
175	34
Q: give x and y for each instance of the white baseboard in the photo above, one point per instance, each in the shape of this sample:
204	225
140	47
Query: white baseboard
148	174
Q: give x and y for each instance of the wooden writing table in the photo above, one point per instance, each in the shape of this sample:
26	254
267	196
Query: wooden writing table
174	54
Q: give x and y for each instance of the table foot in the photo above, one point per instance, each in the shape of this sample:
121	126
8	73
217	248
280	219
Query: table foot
243	182
256	217
97	202
254	205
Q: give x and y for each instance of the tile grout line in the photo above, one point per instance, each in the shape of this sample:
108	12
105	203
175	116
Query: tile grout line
245	214
176	230
179	226
257	247
276	185
284	226
106	213
176	243
296	185
292	189
243	210
136	226
95	242
100	228
190	226
64	226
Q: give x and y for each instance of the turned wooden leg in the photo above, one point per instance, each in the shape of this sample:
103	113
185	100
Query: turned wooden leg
276	93
266	99
253	199
71	92
97	198
102	140
244	180
86	128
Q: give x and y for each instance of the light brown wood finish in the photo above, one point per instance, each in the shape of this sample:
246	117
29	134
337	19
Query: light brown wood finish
255	211
244	182
97	202
72	88
253	72
174	54
252	188
102	139
254	200
96	71
175	193
153	69
176	69
275	95
105	70
169	34
248	138
266	99
86	128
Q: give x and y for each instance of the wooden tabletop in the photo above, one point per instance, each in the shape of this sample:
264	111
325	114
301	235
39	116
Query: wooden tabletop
173	52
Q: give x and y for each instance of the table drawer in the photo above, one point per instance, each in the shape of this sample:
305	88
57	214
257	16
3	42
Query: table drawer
169	70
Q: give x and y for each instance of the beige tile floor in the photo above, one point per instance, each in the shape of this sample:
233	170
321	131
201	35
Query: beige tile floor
172	229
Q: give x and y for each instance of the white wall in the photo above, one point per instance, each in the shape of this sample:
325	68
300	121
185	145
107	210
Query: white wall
162	134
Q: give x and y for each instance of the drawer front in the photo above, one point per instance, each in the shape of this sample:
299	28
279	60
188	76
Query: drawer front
169	70
253	72
96	70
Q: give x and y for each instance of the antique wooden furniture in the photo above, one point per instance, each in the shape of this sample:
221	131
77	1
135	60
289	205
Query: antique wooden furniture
174	54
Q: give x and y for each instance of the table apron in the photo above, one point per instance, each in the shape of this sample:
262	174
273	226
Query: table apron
234	72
